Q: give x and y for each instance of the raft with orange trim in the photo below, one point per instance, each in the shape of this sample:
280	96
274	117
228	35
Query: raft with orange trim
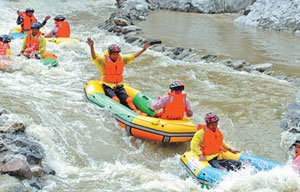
16	33
204	173
50	60
145	127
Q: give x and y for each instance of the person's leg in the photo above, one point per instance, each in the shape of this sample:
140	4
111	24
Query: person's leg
215	163
126	100
230	165
110	93
122	95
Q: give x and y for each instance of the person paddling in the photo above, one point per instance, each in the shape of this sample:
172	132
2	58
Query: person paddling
174	105
208	143
61	29
111	67
27	18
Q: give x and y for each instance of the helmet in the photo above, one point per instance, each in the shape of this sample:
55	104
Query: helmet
5	38
297	142
59	18
114	49
29	10
211	117
36	25
176	86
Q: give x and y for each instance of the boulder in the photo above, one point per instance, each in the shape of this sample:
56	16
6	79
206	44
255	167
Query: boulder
130	28
260	67
17	167
12	127
121	21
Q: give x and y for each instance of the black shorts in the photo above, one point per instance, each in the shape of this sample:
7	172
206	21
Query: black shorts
118	91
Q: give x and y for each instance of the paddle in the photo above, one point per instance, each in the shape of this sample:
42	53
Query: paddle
154	41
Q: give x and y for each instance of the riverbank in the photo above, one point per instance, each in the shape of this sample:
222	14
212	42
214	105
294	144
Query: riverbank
123	23
21	157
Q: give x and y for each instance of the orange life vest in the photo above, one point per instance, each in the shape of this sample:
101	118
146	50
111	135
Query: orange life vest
32	44
175	108
27	21
297	155
212	141
113	70
3	48
63	29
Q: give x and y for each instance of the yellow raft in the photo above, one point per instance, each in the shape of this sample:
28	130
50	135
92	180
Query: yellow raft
145	127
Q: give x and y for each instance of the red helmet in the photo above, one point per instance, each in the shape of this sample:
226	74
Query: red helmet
211	117
176	86
114	49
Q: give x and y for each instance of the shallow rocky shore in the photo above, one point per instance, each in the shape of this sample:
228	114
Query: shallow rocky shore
21	158
122	23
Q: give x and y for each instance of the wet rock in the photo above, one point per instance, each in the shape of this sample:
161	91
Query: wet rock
12	127
294	106
117	29
17	167
284	125
237	65
282	77
3	111
121	21
209	57
36	183
48	170
130	39
130	28
33	151
178	50
260	67
269	72
37	171
293	119
11	184
3	120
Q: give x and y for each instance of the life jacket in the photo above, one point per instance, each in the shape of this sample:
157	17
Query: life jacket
113	70
175	108
212	141
3	48
63	29
32	44
27	21
297	155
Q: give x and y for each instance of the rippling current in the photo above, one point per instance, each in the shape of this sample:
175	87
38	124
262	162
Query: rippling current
86	147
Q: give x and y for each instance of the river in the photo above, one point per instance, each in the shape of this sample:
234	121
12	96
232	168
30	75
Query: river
87	148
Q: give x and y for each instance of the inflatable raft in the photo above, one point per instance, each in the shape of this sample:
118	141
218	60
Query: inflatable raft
145	127
203	172
16	34
49	60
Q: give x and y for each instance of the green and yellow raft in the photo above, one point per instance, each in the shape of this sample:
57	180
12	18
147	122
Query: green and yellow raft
145	127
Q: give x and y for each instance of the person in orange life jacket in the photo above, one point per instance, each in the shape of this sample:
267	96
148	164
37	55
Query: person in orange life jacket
4	46
208	143
111	69
34	44
61	29
5	52
26	18
296	159
174	104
